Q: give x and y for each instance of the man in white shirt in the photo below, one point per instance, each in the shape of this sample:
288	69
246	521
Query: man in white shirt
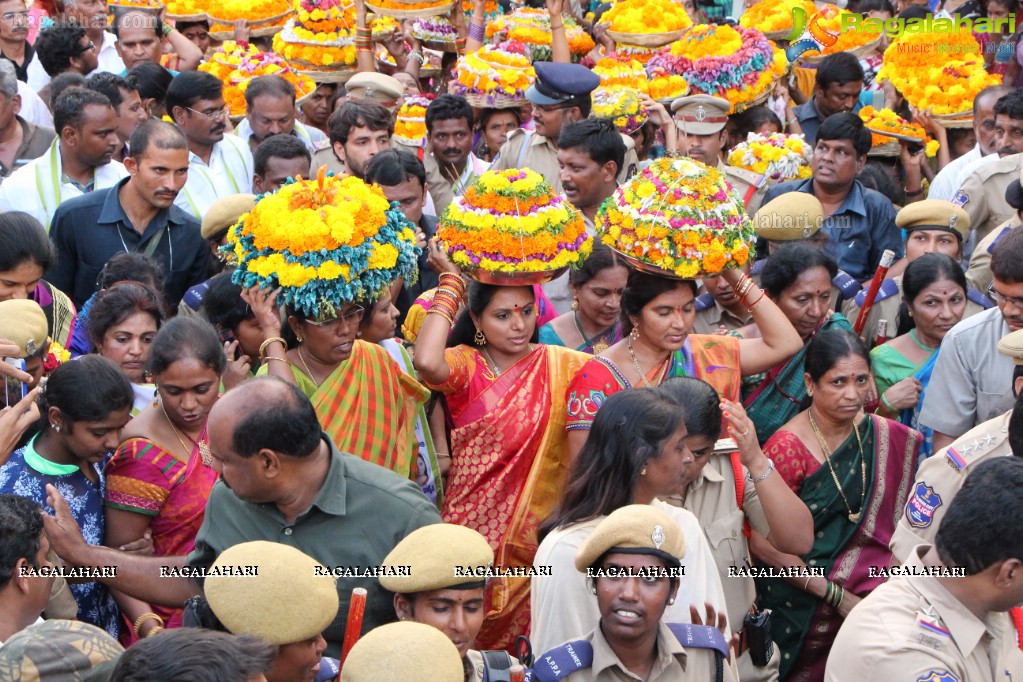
79	160
950	178
92	14
219	165
270	105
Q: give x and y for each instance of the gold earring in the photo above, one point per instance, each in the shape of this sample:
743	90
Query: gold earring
56	427
634	334
479	338
298	338
643	472
575	304
809	392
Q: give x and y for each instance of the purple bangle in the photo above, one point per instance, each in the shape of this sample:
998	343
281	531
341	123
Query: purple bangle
477	32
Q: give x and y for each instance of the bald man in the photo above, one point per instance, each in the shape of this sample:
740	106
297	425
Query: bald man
282	480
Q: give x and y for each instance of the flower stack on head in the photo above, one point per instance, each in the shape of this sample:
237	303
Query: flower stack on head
186	10
622	106
495	75
829	19
533	27
320	37
884	121
512	222
265	17
737	64
777	156
490	8
410	126
622	72
666	86
679	218
646	23
381	28
410	9
227	58
435	32
326	242
258	64
943	81
773	18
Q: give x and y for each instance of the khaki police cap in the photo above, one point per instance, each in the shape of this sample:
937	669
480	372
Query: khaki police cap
402	652
1012	345
635	529
437	556
23	323
225	212
59	651
934	214
789	217
275	593
375	87
700	114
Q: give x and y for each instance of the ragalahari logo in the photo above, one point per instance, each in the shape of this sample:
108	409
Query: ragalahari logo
807	36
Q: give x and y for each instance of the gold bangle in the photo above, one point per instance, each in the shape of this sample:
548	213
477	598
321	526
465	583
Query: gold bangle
156	629
273	359
148	615
272	340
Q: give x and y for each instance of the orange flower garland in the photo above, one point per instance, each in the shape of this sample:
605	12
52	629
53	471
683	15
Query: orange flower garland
773	16
622	72
410	124
647	16
247	65
533	27
494	71
253	10
185	7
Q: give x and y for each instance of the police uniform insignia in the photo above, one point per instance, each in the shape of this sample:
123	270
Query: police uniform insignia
31	347
952	220
960	199
368	93
922	505
954	459
937	676
658	537
701	113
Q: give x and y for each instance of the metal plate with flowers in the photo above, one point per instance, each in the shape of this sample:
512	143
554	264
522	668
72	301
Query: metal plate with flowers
513	279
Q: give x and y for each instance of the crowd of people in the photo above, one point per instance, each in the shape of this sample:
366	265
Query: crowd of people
790	470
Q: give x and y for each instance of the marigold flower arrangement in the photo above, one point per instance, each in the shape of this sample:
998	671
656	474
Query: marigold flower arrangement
381	27
666	85
56	355
779	157
512	221
434	29
410	125
326	242
886	120
320	34
228	57
622	72
183	8
533	27
399	5
680	217
622	106
495	71
643	55
490	8
647	16
141	4
944	81
253	10
251	64
738	64
324	16
774	16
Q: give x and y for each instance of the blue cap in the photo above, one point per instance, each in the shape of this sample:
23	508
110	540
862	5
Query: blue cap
557	83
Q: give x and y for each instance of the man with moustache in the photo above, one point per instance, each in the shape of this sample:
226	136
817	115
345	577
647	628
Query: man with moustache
451	167
837	88
972	381
78	161
270	110
136	215
14	45
91	14
219	165
982	194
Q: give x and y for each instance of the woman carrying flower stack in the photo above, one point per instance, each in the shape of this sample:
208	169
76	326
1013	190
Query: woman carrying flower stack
505	392
331	244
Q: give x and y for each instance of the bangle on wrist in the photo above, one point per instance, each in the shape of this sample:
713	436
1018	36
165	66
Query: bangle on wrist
148	615
166	29
887	404
763	477
269	342
915	192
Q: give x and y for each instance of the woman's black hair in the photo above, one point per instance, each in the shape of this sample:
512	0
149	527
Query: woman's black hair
789	262
754	117
922	273
186	337
826	349
86	390
601	258
119	302
480	296
875	177
24	240
643	288
222	304
700	401
131	267
629	430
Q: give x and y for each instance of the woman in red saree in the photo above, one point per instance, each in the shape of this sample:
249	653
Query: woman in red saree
160	476
506	395
854	472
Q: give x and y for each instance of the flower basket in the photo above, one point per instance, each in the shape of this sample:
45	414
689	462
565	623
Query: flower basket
740	107
860	51
511	227
963	119
773	18
645	39
776	156
411	13
885	149
265	32
188	17
325	242
332	74
410	122
646	23
886	126
533	28
494	76
439	46
253	23
775	35
678	218
622	106
147	7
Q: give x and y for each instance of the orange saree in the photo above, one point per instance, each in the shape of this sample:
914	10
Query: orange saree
509	461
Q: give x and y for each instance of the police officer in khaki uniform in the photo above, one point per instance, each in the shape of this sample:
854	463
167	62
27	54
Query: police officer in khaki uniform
978	275
701	120
718	309
936	218
632	559
940	477
560	95
447	566
983	194
934	625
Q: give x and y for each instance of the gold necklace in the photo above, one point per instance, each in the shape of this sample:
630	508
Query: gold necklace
855	518
204	449
307	370
493	365
639	372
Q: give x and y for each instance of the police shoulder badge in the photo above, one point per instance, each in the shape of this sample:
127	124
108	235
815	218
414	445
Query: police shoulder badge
960	199
922	505
938	676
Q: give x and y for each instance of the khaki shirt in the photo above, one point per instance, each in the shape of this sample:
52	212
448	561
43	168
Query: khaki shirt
978	275
913	629
887	305
35	141
709	319
984	192
475	660
674	663
743	180
711	499
327	157
542	156
939	479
